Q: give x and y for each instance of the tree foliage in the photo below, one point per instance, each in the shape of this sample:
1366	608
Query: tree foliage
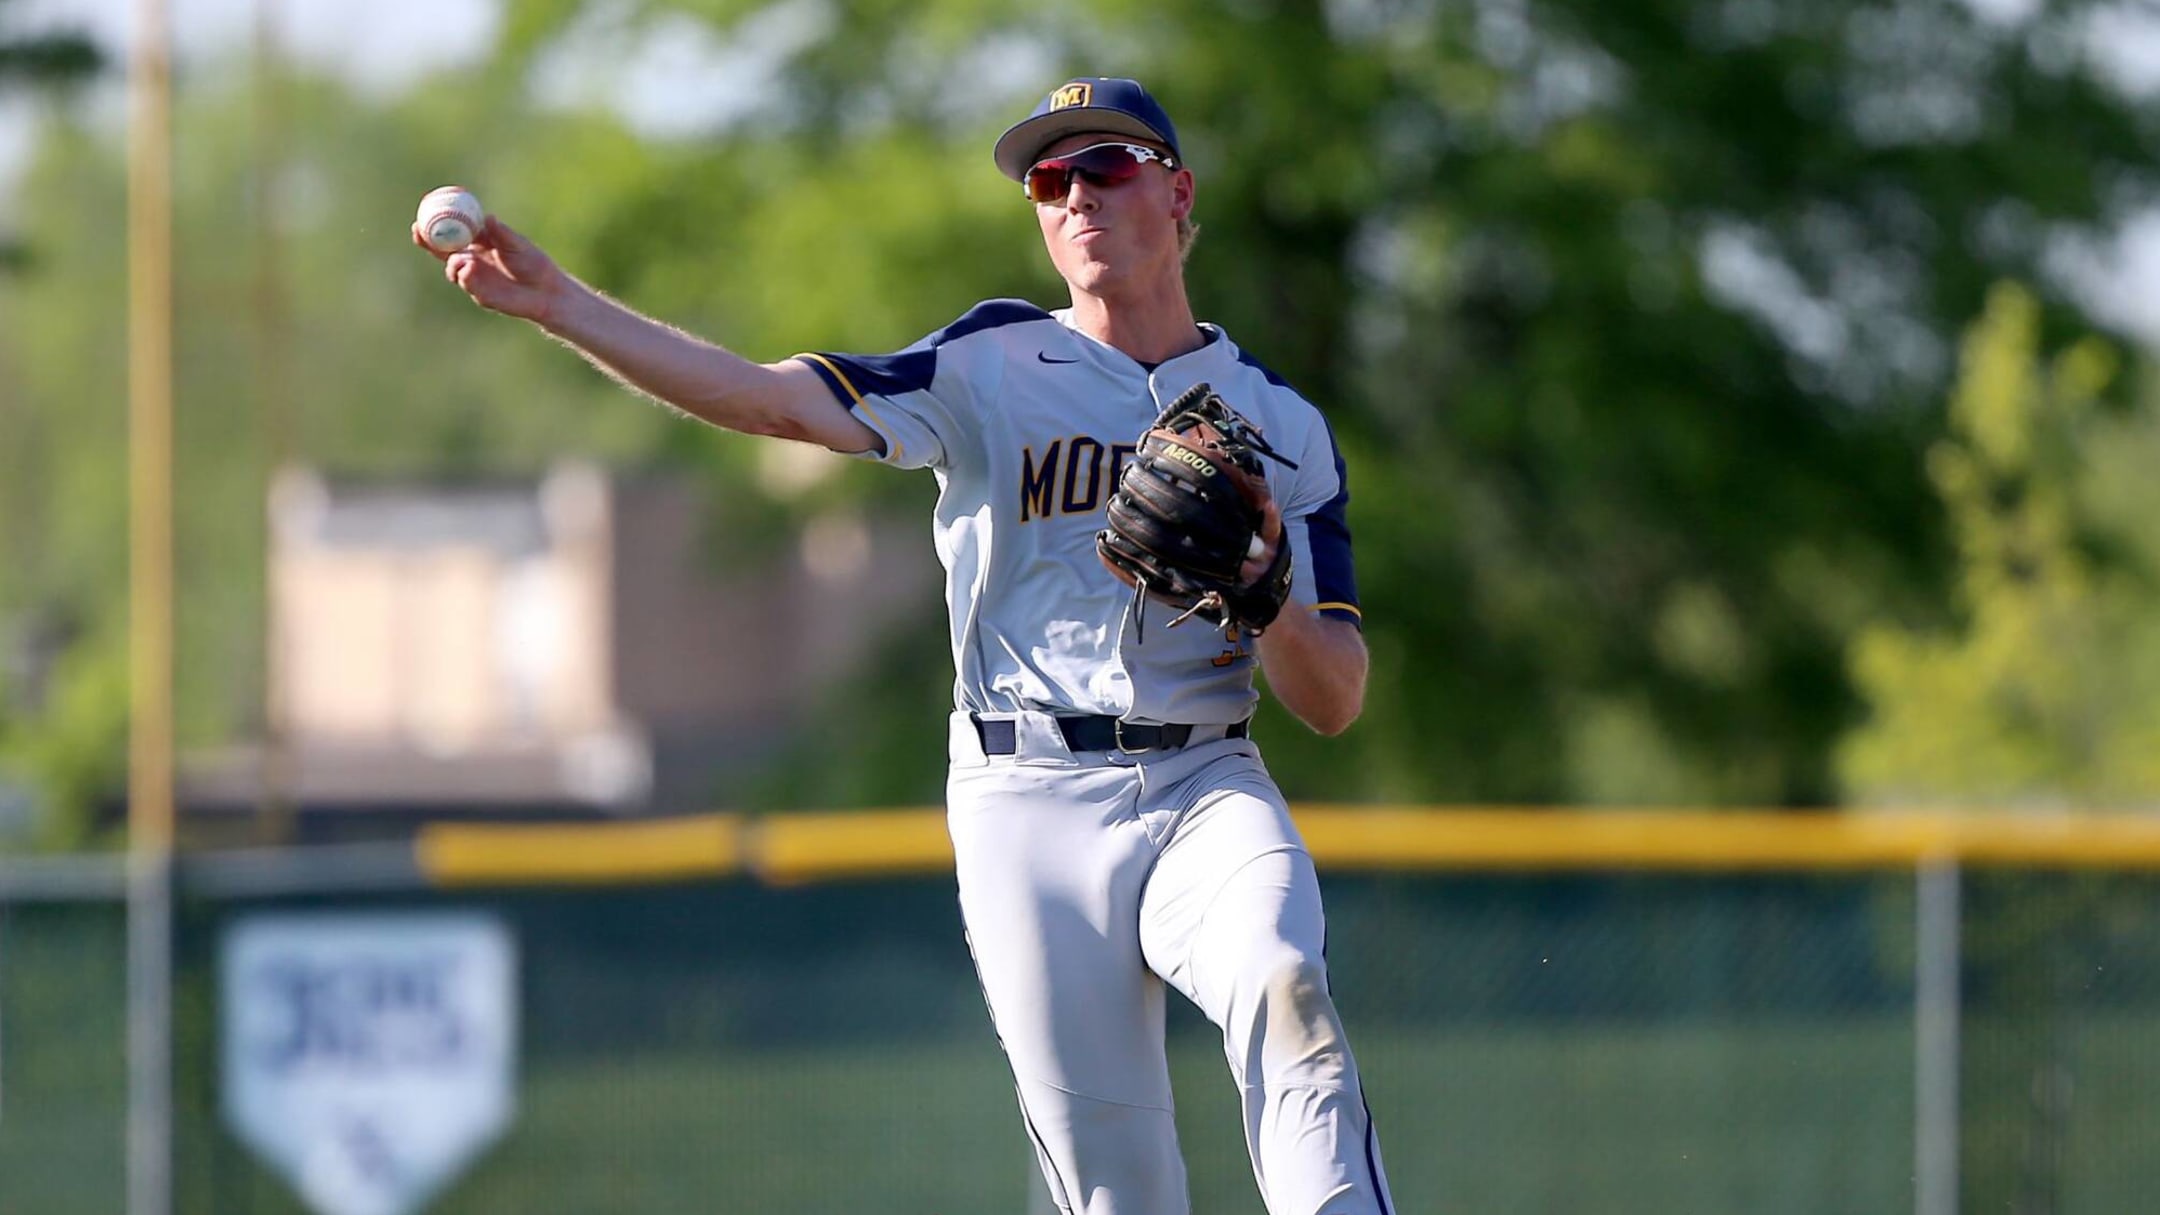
1633	320
65	745
47	62
1634	323
2047	689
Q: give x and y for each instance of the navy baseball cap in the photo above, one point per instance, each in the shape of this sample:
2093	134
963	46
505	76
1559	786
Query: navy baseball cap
1088	103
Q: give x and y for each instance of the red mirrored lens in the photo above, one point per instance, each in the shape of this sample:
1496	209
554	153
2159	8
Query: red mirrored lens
1102	165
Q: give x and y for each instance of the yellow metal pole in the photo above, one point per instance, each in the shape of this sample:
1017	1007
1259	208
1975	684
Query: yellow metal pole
150	560
150	614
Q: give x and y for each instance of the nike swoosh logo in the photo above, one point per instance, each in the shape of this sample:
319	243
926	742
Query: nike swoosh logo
1047	359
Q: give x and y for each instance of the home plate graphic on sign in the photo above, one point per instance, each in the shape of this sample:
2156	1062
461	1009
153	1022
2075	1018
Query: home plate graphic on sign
368	1058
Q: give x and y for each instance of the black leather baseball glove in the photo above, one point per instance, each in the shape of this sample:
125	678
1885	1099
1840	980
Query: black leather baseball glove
1190	510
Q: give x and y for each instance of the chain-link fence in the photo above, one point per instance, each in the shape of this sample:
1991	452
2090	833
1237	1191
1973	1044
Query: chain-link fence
1531	1042
63	1064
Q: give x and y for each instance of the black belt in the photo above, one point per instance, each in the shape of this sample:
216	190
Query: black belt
1100	734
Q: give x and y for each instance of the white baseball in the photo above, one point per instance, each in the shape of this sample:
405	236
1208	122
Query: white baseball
449	217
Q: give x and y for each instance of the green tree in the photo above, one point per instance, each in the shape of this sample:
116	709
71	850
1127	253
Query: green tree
1631	320
2043	690
60	725
45	61
2046	690
1633	323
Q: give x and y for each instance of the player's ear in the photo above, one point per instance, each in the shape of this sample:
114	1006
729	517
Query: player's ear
1181	193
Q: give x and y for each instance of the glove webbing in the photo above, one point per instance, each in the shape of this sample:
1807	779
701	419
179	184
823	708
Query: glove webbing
1237	439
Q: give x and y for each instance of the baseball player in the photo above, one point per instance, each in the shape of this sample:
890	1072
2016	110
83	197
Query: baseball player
1114	828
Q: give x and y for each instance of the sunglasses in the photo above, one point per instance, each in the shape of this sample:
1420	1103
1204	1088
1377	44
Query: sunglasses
1102	164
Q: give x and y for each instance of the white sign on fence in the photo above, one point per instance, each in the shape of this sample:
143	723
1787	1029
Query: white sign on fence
369	1058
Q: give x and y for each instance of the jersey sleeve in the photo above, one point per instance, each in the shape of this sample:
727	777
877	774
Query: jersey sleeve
1316	519
923	402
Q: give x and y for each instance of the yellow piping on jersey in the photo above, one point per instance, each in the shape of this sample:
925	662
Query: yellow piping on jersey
1339	607
860	402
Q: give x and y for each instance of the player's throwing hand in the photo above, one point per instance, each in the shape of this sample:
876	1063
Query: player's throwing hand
502	271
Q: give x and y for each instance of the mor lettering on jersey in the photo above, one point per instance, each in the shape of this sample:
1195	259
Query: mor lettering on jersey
1073	475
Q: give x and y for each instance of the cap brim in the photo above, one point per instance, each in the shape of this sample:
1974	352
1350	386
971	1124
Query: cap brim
1021	147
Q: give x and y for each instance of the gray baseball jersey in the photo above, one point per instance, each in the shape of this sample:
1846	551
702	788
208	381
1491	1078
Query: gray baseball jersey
1027	423
1090	878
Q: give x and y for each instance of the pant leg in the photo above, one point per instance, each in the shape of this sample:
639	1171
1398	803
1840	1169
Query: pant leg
1051	863
1232	917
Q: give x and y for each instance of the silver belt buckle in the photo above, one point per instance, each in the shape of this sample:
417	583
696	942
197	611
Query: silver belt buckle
1117	735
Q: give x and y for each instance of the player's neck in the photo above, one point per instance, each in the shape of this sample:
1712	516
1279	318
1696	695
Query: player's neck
1152	325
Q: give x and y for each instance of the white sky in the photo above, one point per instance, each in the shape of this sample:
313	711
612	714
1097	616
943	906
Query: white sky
671	78
381	42
380	45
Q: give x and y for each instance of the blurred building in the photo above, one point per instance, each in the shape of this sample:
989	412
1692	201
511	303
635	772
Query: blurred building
570	646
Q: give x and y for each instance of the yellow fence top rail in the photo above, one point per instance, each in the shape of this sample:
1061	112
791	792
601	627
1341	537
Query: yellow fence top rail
790	848
1379	837
787	849
481	854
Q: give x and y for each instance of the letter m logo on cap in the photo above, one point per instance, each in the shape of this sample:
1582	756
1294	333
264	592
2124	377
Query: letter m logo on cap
1076	93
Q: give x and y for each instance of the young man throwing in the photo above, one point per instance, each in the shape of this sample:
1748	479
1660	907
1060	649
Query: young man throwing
1114	827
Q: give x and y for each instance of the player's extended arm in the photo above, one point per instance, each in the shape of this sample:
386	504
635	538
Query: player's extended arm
1316	667
507	273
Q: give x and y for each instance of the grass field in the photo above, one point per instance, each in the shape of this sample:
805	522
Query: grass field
1662	1120
1658	1121
884	1112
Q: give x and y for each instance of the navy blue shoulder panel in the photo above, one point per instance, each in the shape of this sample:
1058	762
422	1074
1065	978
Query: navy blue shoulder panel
854	376
1327	530
990	314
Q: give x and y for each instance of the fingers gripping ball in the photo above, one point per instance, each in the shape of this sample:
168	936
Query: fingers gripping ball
1190	510
449	218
